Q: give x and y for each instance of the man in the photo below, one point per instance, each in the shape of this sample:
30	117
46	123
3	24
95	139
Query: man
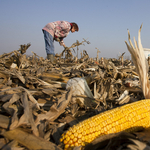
57	31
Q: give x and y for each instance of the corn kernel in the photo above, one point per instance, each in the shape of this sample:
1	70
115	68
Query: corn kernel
61	139
80	141
80	136
66	146
75	139
65	142
70	142
75	134
68	138
76	144
72	136
83	138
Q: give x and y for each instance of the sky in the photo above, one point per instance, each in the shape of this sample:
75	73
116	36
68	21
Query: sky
103	23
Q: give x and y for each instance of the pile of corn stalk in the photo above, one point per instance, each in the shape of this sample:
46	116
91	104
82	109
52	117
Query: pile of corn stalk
39	101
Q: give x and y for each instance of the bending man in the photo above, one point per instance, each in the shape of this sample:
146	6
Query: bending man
57	31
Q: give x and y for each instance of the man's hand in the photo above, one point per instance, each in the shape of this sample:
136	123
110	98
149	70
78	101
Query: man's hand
64	45
57	39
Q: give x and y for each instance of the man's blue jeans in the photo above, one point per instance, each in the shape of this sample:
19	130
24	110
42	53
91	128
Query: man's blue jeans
49	43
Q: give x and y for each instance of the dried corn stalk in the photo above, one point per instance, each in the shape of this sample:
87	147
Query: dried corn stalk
140	62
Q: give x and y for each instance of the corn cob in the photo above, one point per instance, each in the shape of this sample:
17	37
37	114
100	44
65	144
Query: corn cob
125	118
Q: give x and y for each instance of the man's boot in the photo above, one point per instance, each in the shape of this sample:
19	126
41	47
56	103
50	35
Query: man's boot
51	57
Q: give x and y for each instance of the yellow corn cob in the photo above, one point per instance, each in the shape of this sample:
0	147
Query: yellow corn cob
126	118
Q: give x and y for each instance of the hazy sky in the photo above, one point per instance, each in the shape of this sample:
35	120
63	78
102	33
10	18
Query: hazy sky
103	23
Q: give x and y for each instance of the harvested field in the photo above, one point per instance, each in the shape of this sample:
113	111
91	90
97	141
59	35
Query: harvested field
39	101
